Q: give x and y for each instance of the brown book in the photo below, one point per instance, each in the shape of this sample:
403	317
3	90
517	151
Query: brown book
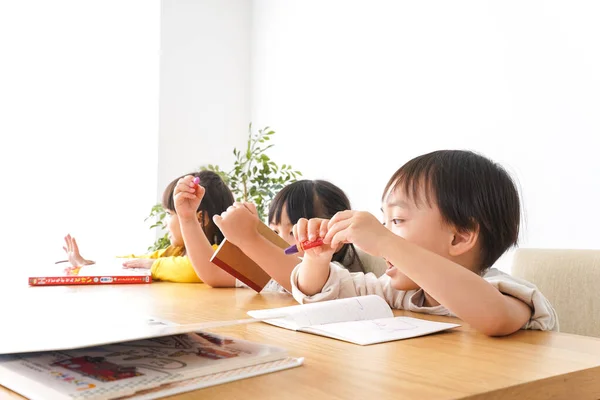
232	260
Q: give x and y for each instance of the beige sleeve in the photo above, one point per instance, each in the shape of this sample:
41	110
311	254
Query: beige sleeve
543	315
342	284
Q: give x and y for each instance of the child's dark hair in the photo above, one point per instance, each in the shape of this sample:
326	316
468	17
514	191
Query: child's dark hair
471	192
215	201
313	199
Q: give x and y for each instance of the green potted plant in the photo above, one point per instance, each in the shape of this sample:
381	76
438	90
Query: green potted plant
254	178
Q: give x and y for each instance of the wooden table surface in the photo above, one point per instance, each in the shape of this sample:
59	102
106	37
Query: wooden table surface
457	364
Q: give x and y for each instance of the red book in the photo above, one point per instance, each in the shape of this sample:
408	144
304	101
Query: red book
232	260
103	273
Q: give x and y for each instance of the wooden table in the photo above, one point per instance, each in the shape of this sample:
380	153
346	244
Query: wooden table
459	364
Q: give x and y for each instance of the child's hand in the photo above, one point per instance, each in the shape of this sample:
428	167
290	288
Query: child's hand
73	254
358	227
238	223
312	230
187	197
145	263
313	271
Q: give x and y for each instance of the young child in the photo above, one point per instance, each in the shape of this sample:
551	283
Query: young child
304	198
448	216
172	264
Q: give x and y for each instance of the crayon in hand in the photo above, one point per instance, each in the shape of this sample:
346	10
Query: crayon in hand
307	244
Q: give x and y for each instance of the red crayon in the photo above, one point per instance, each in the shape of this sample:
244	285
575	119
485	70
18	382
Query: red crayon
307	244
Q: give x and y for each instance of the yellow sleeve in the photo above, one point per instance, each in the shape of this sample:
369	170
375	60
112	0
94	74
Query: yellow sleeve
175	269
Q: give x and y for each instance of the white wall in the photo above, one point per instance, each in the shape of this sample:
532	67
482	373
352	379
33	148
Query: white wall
515	80
80	145
78	128
204	84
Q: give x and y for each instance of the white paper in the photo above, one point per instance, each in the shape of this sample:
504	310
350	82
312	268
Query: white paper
362	320
327	312
379	330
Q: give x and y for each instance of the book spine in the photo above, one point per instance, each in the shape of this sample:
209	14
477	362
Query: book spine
88	280
225	267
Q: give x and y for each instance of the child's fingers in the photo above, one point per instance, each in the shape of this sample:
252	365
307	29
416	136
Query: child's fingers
251	207
242	206
314	228
301	227
340	216
217	219
339	238
323	228
185	195
188	180
75	247
69	243
186	184
237	207
200	190
335	229
182	188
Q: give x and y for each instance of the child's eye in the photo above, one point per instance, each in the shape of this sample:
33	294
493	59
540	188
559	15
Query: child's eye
276	231
397	221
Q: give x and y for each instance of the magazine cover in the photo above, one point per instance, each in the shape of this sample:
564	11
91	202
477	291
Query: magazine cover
124	369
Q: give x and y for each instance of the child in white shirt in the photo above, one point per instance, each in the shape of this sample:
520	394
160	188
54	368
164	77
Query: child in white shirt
449	216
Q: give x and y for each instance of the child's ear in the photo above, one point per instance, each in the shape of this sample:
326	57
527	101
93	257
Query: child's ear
463	241
200	216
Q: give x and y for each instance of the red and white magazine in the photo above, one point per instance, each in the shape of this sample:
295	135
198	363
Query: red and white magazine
106	272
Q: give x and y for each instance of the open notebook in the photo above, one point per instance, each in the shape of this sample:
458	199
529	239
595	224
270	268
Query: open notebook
362	320
143	369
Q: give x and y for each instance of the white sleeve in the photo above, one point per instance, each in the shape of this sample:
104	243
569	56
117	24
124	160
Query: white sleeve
342	284
543	315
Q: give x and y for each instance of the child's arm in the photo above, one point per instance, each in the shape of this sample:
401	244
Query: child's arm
314	269
342	284
239	225
188	196
166	265
145	261
458	289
